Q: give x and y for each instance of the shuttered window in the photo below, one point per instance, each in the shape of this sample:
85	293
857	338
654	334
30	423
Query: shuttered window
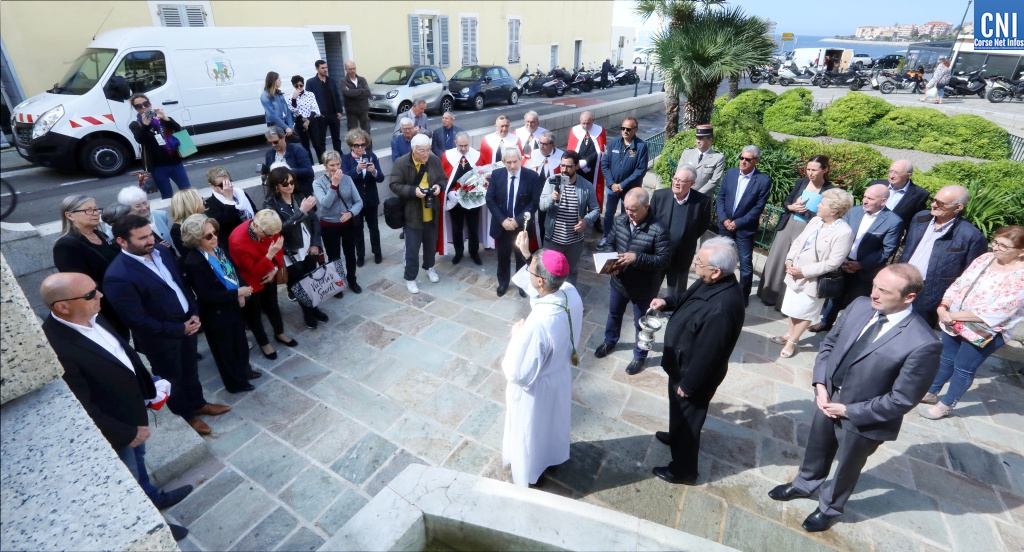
414	40
428	40
469	42
442	31
513	40
182	15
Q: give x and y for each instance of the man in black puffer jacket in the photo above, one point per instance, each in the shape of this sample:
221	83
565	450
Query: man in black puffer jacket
643	255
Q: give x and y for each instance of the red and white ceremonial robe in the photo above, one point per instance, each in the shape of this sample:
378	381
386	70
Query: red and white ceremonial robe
450	161
492	143
529	144
598	135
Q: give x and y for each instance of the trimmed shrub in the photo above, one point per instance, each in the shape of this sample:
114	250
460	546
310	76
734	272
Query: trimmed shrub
1004	173
791	114
969	135
665	166
904	127
1000	174
853	115
750	105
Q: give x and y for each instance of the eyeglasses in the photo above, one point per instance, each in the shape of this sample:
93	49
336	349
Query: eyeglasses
1000	246
93	211
681	181
698	263
218	186
299	85
286	184
209	236
141	205
358	146
274	142
142	105
566	167
748	159
942	204
545	143
534	273
628	129
88	297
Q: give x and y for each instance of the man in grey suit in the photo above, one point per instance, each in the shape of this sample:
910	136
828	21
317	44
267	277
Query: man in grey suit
877	232
872	368
710	164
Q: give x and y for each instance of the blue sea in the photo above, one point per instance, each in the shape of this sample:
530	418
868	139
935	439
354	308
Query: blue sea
873	50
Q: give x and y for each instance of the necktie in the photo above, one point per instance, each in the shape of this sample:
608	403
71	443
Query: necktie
700	157
544	169
859	346
512	197
497	152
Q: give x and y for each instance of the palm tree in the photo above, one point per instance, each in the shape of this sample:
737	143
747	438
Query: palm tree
703	43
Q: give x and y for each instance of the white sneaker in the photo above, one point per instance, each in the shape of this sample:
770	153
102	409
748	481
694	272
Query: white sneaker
432	274
411	286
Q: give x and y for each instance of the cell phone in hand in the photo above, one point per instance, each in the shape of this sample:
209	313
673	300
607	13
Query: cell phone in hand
149	113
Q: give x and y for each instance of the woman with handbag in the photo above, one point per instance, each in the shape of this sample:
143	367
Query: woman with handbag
302	245
222	293
229	205
977	315
363	167
154	131
256	250
814	260
800	206
340	209
940	78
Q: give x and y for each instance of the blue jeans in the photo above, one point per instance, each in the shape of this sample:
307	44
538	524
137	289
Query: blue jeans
611	204
163	175
745	248
616	308
135	459
958	364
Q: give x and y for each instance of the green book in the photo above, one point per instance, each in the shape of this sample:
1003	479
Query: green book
186	146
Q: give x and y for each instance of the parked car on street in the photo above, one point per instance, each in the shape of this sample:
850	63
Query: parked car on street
395	90
864	60
477	85
890	61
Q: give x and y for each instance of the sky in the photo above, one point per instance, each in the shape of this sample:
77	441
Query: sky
836	16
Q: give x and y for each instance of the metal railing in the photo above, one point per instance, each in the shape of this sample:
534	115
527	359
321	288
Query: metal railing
769	220
655	144
1016	147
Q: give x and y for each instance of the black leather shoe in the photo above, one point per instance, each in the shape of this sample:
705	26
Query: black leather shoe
401	236
818	521
666	475
786	492
339	295
457	259
603	350
242	389
174	496
310	321
320	315
291	343
477	259
664	437
360	262
177	531
271	355
377	258
253	374
819	327
635	366
522	293
502	290
355	288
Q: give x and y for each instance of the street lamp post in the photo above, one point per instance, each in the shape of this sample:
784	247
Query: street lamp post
957	38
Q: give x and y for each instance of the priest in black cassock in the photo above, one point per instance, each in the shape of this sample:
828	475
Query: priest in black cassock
686	213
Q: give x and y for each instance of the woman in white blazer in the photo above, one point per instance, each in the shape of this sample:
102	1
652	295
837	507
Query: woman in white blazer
820	248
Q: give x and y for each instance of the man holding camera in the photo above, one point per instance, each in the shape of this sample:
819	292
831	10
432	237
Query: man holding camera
570	204
417	178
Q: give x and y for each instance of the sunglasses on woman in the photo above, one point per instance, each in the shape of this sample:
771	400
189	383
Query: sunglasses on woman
142	105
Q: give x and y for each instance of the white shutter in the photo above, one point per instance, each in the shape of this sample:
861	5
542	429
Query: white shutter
195	16
170	15
473	42
182	15
513	41
414	40
442	24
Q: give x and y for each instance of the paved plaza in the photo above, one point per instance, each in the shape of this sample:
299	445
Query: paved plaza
396	379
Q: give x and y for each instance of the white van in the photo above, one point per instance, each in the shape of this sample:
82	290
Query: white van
209	80
816	57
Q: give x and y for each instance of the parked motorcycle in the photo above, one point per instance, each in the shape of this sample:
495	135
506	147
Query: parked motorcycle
538	83
890	81
1003	88
830	78
576	82
967	85
758	74
626	76
863	79
793	75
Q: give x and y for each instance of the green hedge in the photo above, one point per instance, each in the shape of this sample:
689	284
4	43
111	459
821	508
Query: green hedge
749	105
969	135
904	127
792	114
853	115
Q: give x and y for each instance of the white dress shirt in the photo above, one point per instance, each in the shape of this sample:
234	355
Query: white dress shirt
100	336
158	268
865	222
895	196
892	320
741	186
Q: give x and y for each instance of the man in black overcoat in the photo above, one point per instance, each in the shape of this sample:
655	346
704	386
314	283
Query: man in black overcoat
706	322
686	214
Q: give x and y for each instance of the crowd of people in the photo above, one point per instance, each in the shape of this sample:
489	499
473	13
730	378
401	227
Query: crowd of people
215	266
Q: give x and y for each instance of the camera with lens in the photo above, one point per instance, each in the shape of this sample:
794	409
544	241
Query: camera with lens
150	113
428	201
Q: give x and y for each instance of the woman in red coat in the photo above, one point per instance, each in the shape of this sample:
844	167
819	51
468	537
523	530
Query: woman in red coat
256	249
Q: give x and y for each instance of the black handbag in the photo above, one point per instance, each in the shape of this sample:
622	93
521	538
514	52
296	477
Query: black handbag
830	284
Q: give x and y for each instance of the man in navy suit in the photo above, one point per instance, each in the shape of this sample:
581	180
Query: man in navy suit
513	191
145	287
741	199
293	155
877	232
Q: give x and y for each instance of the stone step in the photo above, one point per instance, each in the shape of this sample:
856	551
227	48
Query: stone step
173	448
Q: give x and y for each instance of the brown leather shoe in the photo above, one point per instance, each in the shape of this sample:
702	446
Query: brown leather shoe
200	426
211	409
819	327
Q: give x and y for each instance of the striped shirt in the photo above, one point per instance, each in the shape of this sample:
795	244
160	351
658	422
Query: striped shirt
567	217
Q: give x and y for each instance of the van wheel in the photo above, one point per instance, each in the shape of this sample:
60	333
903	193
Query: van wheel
446	104
513	97
104	157
403	107
478	102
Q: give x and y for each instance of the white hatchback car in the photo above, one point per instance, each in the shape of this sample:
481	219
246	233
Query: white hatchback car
394	92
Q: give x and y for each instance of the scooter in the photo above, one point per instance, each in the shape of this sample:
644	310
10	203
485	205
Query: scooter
840	79
539	83
792	75
626	76
863	79
891	81
967	85
575	81
1003	88
758	74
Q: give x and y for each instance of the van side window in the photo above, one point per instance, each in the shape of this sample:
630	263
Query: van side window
144	71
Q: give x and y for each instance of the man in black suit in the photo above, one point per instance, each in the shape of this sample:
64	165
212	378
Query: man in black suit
513	192
145	286
905	197
443	138
327	98
706	322
872	368
105	374
741	199
293	155
686	214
